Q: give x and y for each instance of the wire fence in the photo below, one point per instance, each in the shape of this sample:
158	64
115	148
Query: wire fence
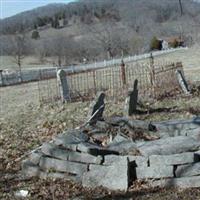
155	80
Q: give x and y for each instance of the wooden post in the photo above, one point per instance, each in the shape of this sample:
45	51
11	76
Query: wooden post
94	81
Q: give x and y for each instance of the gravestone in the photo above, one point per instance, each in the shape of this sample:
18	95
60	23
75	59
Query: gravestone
97	108
63	85
132	99
182	82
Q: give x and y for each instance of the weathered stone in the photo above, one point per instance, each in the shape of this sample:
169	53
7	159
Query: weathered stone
84	158
178	126
138	160
35	157
70	139
30	169
120	138
131	100
94	149
188	170
184	182
64	88
167	146
115	177
97	104
175	159
154	172
134	124
182	82
124	147
54	151
62	166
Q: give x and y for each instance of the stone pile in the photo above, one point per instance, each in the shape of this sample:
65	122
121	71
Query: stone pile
172	158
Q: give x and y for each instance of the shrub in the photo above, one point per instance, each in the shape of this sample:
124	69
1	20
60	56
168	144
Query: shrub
35	35
155	44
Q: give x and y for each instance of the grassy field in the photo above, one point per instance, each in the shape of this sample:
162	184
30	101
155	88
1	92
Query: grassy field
25	124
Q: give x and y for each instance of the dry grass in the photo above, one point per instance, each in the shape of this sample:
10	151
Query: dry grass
25	124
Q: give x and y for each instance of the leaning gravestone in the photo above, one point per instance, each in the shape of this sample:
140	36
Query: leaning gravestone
97	108
63	85
132	99
182	82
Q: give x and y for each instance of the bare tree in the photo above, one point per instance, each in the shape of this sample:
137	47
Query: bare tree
18	50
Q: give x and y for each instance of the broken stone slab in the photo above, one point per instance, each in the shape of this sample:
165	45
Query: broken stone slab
70	138
139	160
184	182
131	100
97	106
195	133
35	157
134	124
124	147
175	159
47	163
63	154
94	149
31	170
155	172
168	146
54	151
188	170
178	125
85	158
120	138
115	177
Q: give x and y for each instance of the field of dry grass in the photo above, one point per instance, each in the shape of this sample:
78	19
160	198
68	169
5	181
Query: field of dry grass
25	124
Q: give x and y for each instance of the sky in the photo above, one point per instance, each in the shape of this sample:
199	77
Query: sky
12	7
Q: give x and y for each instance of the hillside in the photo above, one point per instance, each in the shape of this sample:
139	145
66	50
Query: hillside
97	30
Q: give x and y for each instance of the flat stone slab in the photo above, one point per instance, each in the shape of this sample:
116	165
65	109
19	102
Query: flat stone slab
56	152
139	160
168	146
47	163
184	182
31	170
178	125
94	149
175	159
115	177
72	137
35	157
156	172
188	170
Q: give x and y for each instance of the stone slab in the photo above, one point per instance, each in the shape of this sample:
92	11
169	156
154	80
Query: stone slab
47	163
115	177
139	160
188	170
168	146
184	182
175	159
70	138
54	151
156	172
31	170
35	157
84	158
178	125
94	149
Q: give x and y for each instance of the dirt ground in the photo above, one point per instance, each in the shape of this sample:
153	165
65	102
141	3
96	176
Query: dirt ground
25	125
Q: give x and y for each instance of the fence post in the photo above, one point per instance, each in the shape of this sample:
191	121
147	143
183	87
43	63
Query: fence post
123	73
